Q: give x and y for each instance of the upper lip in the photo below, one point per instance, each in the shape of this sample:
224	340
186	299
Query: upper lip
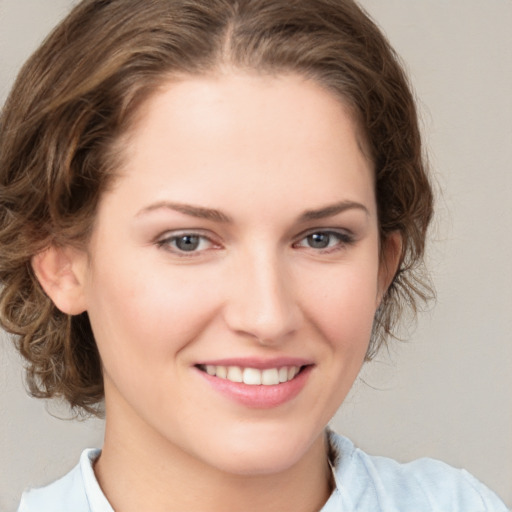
257	362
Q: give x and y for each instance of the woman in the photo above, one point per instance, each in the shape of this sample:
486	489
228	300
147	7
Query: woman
212	213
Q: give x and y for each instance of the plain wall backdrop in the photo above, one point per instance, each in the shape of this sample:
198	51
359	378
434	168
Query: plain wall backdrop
446	392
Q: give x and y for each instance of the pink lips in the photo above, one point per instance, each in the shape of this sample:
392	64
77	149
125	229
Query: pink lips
259	396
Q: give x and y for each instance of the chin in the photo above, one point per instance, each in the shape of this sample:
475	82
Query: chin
257	464
262	453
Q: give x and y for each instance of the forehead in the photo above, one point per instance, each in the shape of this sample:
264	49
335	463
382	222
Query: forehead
201	138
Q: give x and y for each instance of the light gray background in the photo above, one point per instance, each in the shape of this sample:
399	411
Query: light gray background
447	393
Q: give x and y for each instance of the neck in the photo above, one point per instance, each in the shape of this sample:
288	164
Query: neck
157	475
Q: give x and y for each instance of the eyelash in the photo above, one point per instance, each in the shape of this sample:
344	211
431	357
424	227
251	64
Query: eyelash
343	239
167	243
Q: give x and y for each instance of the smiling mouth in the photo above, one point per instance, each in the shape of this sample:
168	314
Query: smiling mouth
253	376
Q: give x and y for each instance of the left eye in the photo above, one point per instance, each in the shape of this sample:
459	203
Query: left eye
324	240
186	243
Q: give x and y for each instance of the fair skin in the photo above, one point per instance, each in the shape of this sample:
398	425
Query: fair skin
241	233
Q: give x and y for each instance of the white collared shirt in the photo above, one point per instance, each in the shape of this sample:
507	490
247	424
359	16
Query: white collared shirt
363	483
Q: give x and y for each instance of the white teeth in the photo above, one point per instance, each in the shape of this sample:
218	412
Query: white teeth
283	374
221	371
292	371
270	377
235	374
253	376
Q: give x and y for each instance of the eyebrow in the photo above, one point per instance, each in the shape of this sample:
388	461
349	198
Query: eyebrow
332	210
188	209
218	216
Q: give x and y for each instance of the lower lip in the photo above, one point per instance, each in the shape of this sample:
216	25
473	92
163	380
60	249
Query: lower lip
259	397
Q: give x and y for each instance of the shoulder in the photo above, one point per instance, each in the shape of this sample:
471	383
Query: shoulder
380	483
77	491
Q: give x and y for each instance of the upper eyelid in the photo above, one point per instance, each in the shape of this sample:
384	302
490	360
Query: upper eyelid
177	233
334	231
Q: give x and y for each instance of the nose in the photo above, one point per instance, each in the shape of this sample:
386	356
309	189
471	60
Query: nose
263	302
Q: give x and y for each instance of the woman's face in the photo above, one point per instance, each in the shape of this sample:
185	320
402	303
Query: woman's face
239	243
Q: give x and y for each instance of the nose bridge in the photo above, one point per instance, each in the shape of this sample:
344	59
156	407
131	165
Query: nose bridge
263	303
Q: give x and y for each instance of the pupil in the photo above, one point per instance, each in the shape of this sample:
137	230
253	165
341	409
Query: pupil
187	242
318	240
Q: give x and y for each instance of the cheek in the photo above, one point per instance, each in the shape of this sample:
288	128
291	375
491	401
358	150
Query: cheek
344	309
149	314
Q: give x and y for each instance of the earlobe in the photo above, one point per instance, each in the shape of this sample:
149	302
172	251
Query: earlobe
390	260
60	272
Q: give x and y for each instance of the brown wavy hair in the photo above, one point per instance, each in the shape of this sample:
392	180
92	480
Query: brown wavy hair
78	94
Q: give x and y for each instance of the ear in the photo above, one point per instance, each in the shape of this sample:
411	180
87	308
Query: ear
391	254
61	273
